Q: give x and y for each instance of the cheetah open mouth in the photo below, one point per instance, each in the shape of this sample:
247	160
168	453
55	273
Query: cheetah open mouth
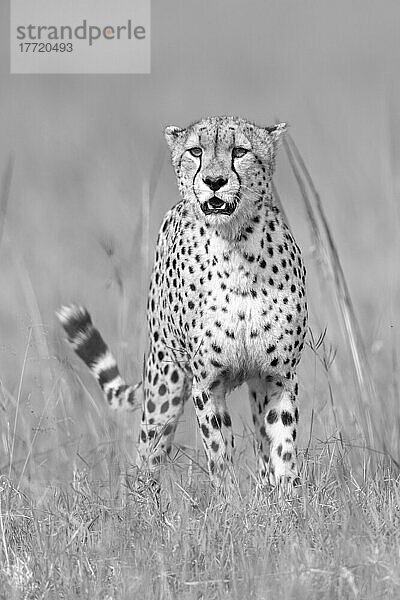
216	206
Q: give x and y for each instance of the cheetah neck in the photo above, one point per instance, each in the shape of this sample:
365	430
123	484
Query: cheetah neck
243	254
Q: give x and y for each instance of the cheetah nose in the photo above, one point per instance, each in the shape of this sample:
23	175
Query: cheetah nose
215	183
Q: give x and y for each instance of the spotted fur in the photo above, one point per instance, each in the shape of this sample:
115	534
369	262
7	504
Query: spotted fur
227	304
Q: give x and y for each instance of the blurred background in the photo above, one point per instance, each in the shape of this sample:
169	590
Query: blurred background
91	181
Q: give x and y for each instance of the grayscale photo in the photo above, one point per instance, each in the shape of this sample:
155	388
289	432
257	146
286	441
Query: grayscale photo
199	300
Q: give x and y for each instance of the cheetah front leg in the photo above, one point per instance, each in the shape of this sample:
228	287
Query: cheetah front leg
216	430
280	426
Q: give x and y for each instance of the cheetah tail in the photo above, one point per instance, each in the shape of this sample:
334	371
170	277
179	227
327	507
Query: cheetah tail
88	344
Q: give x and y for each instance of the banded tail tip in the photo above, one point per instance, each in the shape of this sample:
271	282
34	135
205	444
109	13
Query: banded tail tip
75	320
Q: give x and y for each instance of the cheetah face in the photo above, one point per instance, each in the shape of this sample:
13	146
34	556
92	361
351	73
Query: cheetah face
224	165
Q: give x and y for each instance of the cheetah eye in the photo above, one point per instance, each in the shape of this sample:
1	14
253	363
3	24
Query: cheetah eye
239	152
196	151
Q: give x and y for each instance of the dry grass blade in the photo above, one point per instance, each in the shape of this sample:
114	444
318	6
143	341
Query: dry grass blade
156	170
331	268
5	193
39	330
19	400
37	429
144	247
3	538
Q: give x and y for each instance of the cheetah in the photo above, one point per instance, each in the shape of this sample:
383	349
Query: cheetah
227	305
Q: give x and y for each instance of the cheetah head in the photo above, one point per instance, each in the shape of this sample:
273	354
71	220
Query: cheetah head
224	166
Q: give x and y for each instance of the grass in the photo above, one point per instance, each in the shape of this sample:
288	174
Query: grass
126	539
78	521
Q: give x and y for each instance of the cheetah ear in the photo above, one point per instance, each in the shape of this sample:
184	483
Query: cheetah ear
276	132
271	137
173	134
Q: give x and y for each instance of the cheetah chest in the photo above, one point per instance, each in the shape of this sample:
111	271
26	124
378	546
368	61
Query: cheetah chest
245	324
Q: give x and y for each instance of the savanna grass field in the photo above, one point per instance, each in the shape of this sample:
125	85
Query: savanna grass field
85	179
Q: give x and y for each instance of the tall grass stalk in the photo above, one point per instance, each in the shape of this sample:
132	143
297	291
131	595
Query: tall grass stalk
331	269
144	247
37	429
21	379
5	193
